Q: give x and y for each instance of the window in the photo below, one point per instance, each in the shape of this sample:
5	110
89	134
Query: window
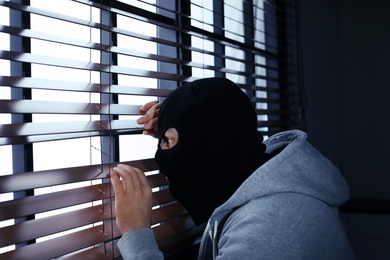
73	76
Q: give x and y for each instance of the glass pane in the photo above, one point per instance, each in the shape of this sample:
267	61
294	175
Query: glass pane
258	13
134	147
204	57
236	63
202	15
144	4
66	153
234	20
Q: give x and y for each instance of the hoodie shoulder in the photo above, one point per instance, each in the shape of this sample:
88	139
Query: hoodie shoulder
296	168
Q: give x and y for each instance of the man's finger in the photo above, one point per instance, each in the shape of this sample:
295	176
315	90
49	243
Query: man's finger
151	124
148	105
142	178
129	176
116	182
151	114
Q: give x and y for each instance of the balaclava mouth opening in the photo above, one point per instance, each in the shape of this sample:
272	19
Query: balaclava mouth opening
218	148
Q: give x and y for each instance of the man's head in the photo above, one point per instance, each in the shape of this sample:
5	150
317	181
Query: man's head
208	143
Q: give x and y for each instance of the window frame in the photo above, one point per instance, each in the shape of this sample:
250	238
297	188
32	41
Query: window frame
284	100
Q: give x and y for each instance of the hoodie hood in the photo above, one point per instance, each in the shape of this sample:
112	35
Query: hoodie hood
297	168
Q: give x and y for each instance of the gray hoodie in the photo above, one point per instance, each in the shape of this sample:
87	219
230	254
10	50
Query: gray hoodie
287	209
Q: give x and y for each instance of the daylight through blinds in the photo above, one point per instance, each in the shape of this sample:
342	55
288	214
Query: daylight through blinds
73	77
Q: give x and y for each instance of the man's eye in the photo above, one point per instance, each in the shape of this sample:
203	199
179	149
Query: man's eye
165	141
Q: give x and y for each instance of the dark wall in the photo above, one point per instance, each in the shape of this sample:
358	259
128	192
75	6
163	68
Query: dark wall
346	68
321	77
365	72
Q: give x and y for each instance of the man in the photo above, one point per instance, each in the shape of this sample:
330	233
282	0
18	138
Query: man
276	199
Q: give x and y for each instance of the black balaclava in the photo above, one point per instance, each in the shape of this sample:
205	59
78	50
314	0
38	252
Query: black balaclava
218	146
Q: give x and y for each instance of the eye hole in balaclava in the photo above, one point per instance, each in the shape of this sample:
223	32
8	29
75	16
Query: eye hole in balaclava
218	145
169	139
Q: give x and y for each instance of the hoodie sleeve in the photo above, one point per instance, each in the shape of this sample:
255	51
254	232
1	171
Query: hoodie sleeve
139	244
284	226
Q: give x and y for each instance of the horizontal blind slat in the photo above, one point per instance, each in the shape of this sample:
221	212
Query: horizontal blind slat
163	21
55	137
102	252
178	29
31	129
62	245
54	107
129	52
36	228
57	16
113	49
194	32
51	37
93	236
172	227
40	179
188	237
53	61
37	204
36	83
90	66
168	212
162	197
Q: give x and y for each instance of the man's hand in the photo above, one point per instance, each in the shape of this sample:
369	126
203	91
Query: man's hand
133	198
150	118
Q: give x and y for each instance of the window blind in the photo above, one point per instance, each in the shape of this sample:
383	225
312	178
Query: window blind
73	77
